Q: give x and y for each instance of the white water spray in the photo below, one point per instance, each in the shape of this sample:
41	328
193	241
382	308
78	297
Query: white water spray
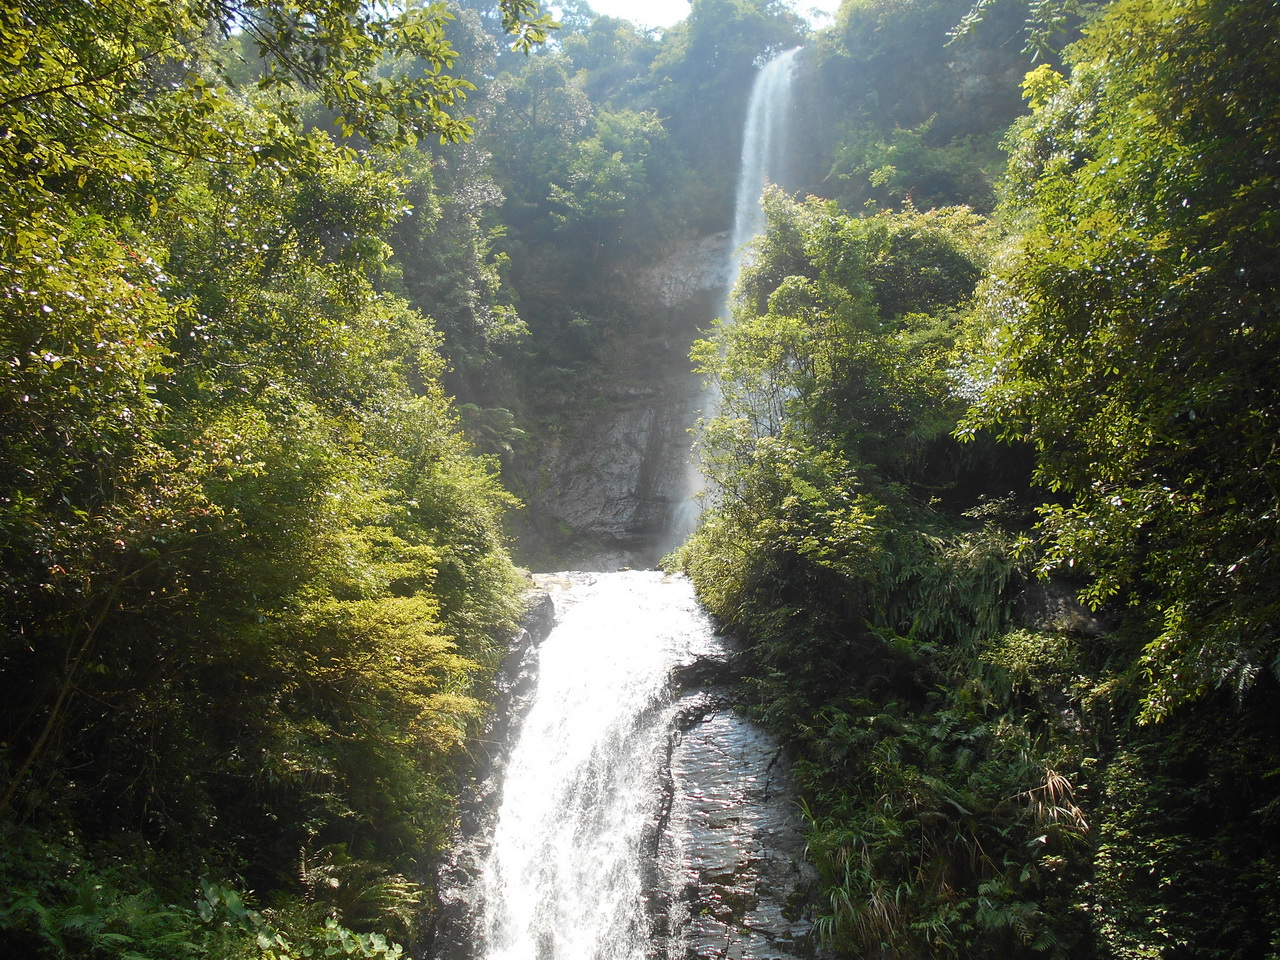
639	821
627	830
565	878
765	139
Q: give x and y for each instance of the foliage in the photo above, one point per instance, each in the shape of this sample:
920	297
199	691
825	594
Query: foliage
902	168
984	776
99	61
921	116
59	904
1049	23
252	573
937	826
1133	331
844	327
941	836
614	57
608	179
833	391
1184	820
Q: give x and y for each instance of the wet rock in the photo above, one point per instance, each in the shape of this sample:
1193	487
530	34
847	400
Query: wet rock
1053	607
707	671
615	477
695	267
733	847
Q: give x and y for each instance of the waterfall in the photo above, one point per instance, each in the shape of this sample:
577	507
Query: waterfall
566	877
765	139
639	816
638	820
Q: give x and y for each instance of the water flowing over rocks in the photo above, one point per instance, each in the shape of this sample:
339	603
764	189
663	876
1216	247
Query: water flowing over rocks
625	808
451	931
715	859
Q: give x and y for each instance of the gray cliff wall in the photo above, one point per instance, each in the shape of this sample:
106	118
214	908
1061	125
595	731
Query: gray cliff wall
601	492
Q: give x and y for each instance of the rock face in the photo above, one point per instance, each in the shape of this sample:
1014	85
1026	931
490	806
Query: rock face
617	481
694	269
1053	606
731	850
609	487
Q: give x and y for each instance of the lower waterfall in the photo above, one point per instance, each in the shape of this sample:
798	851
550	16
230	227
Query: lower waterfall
638	815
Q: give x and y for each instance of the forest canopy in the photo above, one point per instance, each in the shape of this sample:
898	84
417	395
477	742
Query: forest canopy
253	575
997	511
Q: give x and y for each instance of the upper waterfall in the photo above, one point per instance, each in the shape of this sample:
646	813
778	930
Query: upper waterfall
765	139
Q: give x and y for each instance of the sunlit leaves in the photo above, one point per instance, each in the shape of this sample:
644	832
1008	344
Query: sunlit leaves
520	19
843	327
608	180
1047	23
1133	336
251	571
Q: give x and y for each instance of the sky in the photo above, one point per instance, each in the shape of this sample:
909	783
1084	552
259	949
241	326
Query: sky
663	13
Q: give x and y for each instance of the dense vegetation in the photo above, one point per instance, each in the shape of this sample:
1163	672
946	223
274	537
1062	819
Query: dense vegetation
995	456
252	575
940	434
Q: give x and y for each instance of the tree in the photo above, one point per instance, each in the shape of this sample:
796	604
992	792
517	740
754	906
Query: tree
449	269
867	588
1133	334
922	115
843	327
834	400
615	57
252	573
606	197
543	113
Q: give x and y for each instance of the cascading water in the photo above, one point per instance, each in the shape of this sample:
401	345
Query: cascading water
640	816
566	874
764	152
765	139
